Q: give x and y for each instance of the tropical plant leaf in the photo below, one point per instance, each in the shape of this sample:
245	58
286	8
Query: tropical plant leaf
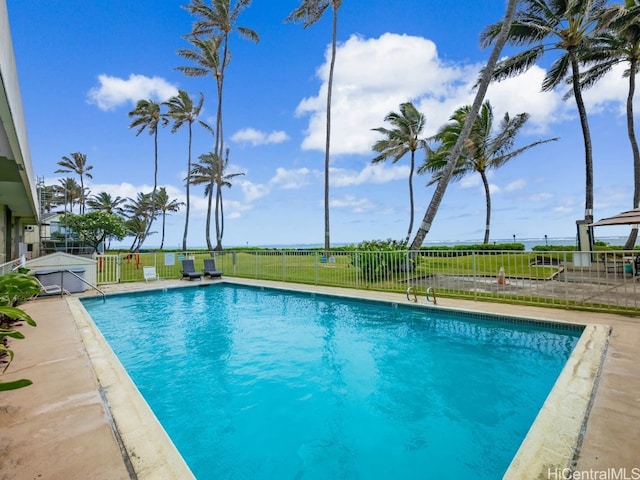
23	382
10	333
17	314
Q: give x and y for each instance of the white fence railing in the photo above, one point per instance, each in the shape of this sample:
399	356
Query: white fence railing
595	280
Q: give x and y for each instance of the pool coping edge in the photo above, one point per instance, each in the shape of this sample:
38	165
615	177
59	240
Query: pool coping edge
552	444
148	446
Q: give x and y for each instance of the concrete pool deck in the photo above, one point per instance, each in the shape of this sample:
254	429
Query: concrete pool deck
61	426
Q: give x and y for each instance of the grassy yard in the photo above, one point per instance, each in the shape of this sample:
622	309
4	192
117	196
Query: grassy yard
341	268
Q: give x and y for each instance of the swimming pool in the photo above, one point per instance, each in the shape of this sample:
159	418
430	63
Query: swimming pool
254	383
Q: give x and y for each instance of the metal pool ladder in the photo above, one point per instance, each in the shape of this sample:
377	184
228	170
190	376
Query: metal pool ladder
431	295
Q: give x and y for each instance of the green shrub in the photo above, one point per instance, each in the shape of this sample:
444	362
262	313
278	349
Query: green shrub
380	259
15	288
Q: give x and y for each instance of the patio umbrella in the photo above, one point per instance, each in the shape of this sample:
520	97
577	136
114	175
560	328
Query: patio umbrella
630	217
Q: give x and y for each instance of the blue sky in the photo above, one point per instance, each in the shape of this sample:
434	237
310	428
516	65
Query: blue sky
83	65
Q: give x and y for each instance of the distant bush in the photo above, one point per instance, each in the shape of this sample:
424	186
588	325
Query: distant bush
380	259
476	248
554	248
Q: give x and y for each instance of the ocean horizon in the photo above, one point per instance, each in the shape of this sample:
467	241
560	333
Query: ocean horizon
528	243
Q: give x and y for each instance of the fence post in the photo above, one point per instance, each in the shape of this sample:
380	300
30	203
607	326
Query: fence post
255	255
566	283
355	265
473	264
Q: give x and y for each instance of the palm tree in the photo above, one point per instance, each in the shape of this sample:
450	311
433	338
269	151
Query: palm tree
166	205
485	148
210	170
104	202
619	43
567	26
182	111
147	116
48	197
483	85
77	163
207	59
141	211
211	30
68	192
403	138
309	12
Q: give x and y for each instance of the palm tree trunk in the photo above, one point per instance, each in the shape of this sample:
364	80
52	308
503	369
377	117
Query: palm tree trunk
487	195
586	136
219	139
219	246
81	194
164	220
406	240
155	187
188	203
483	85
633	236
208	223
327	148
218	238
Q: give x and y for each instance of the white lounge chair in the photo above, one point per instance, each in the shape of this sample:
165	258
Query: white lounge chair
51	289
150	273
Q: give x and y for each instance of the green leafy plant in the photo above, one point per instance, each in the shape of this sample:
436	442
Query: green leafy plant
381	259
15	288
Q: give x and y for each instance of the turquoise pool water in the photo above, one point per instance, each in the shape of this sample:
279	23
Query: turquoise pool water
265	384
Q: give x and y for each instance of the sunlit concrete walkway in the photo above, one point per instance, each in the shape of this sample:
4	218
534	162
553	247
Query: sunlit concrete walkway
60	427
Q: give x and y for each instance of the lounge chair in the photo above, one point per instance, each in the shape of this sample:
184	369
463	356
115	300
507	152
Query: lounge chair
210	268
51	289
150	273
189	270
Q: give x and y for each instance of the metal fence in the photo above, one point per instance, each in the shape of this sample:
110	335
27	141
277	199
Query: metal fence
600	280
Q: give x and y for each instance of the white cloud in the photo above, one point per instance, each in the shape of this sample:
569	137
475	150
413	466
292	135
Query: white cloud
373	76
113	91
294	179
351	203
516	185
540	197
470	181
612	89
252	191
257	137
371	173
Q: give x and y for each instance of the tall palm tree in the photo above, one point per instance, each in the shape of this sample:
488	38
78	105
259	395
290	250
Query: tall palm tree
483	85
206	57
485	149
147	116
77	163
166	205
104	202
211	170
216	22
308	13
552	25
182	110
403	138
619	42
68	192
